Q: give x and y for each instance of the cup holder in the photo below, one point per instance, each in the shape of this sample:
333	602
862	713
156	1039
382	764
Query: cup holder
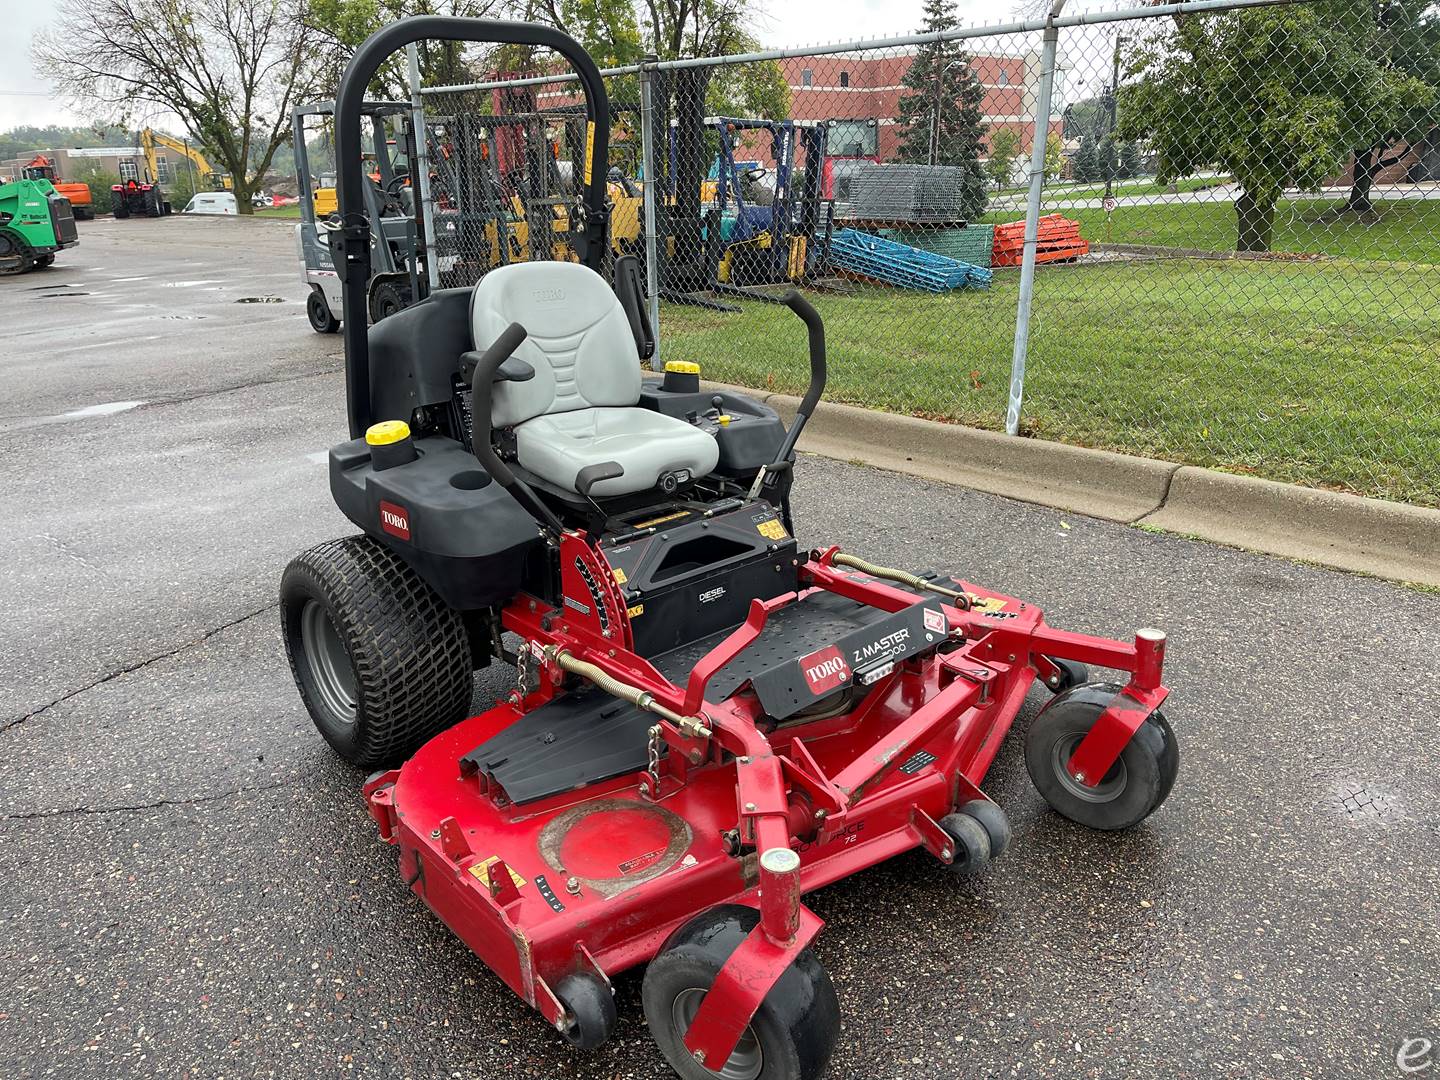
470	480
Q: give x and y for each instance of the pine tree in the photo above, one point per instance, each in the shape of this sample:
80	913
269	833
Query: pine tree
1087	160
1131	161
941	109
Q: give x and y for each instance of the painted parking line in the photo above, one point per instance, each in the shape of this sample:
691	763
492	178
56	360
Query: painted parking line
108	408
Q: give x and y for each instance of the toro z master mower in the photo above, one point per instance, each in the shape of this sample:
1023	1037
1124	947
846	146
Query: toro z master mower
707	721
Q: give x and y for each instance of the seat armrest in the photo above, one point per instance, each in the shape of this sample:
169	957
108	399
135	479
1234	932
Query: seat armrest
591	475
512	370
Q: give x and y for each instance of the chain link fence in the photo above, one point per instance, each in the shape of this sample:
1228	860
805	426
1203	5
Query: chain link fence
1206	232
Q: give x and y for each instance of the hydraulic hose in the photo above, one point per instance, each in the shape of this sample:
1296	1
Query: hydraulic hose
841	559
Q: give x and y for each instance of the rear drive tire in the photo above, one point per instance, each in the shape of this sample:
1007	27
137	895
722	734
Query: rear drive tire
121	211
322	320
382	664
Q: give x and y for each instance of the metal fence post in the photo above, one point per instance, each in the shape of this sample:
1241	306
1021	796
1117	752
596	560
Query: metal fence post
647	192
422	167
1039	144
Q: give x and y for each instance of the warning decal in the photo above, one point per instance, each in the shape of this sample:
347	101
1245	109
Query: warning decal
481	870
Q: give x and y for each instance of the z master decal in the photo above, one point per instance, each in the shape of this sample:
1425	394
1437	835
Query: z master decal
882	648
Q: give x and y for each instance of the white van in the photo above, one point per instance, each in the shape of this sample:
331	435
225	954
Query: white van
212	202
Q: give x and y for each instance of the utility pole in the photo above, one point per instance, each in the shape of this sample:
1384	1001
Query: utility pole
1112	165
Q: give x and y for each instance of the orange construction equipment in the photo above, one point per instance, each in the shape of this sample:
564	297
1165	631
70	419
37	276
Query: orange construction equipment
1058	240
41	167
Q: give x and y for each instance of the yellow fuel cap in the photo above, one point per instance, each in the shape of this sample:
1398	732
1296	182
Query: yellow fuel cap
386	432
723	420
682	367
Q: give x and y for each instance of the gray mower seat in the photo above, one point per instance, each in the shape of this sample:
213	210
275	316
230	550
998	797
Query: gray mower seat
581	408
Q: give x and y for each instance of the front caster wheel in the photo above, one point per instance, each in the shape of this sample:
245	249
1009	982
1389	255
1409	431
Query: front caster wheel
1136	784
791	1035
589	1010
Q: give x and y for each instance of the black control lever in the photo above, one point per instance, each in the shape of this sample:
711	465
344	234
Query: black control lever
482	393
816	326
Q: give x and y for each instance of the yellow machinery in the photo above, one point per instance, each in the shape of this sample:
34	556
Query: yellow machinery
150	139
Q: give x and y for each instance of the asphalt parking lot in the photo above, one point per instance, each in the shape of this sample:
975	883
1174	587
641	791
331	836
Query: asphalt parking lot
193	888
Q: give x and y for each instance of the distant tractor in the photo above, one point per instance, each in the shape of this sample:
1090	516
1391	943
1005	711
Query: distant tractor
36	221
41	167
137	199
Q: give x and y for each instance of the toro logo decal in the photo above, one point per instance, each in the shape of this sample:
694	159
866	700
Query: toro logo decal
395	520
825	670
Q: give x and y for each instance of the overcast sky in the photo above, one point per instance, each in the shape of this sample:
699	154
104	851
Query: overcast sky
25	97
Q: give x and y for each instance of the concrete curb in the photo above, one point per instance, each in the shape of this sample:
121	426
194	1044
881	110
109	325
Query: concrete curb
1371	536
1388	539
1091	482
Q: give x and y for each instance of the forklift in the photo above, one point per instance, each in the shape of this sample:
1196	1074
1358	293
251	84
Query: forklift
398	259
779	234
36	222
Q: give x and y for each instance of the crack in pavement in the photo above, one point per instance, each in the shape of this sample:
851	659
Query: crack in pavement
32	815
28	421
16	721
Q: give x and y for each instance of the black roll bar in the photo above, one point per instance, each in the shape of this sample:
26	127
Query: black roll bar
353	248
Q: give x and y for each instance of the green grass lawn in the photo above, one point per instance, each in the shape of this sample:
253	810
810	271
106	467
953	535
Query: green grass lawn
1324	374
1400	232
280	212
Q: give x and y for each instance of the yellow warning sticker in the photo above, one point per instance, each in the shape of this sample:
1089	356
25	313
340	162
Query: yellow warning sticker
636	609
481	870
984	605
620	577
772	529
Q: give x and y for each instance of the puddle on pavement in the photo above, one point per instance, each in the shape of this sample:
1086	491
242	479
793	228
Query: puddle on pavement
261	300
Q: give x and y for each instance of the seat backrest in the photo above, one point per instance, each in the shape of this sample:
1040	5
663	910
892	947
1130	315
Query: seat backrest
580	343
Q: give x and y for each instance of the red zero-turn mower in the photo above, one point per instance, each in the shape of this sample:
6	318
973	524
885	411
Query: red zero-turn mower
707	722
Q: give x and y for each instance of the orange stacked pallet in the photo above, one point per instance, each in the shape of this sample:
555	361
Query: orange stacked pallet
1058	240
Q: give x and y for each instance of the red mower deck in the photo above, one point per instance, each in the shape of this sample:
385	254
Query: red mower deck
594	880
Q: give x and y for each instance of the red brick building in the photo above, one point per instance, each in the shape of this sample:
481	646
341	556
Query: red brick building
859	93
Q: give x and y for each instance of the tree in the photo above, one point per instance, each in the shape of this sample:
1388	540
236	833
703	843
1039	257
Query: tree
1403	37
1273	96
230	71
1087	160
942	109
1132	162
1004	149
1054	157
343	24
